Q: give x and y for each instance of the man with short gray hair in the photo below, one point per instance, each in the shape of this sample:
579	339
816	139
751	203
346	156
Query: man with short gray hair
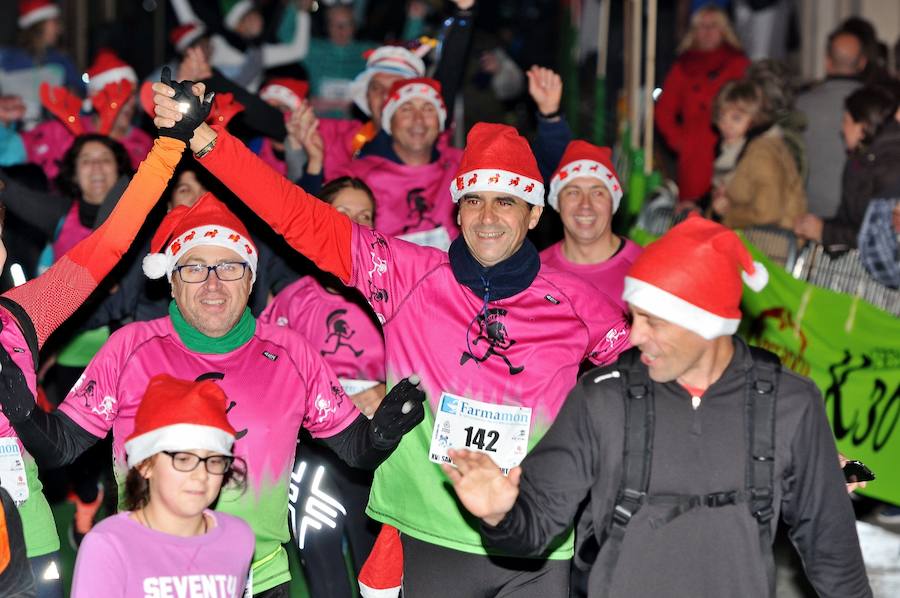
845	61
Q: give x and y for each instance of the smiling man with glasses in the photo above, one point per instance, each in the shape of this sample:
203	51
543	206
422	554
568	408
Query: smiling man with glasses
275	382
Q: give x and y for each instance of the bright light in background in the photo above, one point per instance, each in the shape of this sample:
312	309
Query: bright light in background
85	78
656	93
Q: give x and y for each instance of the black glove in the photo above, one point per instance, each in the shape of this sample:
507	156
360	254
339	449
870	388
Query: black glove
16	400
197	109
400	411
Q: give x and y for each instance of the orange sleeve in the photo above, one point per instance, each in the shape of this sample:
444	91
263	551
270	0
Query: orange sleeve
309	225
52	297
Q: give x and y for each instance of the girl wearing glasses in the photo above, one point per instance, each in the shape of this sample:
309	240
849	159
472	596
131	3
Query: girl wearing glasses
168	542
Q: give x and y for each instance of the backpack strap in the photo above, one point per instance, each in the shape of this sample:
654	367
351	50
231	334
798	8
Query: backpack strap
25	325
762	391
637	392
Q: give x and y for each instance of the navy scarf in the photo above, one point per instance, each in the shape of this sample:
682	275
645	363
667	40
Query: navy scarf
510	277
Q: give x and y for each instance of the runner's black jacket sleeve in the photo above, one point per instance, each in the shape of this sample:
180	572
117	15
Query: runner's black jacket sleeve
257	115
454	57
40	210
52	439
817	509
553	135
367	443
556	476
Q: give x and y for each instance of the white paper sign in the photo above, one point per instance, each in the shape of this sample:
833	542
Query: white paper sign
499	431
12	470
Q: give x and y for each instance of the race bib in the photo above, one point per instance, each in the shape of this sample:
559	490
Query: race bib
12	470
436	237
499	431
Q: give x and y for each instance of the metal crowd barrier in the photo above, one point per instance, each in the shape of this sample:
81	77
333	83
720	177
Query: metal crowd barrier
843	273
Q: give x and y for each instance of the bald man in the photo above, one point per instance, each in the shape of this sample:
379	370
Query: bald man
845	61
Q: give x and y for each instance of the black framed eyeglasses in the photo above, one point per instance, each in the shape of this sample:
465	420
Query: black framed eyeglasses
215	464
226	271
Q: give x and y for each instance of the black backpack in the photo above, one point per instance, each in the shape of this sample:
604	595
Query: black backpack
637	392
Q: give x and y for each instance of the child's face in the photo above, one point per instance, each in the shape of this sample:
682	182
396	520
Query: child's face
852	131
182	493
733	123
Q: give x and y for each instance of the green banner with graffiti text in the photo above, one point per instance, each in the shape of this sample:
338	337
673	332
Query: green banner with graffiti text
849	348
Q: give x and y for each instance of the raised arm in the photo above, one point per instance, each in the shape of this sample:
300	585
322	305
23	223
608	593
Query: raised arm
310	226
76	274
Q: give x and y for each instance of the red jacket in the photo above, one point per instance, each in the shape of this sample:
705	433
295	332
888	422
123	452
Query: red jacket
684	112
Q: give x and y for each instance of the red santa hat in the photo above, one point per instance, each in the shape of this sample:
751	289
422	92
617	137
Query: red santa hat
285	90
498	159
236	12
183	36
108	68
382	574
177	415
405	90
691	276
393	60
581	159
35	11
207	222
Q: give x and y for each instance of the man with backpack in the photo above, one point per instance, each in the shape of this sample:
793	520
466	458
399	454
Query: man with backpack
691	446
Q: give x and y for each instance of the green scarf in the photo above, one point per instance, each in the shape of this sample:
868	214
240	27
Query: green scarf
198	342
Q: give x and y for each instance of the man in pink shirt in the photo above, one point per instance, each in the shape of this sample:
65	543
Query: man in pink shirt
496	340
409	177
586	192
275	380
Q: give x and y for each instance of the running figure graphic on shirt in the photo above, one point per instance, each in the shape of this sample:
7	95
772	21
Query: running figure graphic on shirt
418	206
340	331
493	331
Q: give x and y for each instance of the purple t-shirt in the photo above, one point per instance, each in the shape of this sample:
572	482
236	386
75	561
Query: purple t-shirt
608	276
120	558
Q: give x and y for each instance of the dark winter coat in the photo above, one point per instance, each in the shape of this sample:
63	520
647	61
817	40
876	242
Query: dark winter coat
869	173
704	552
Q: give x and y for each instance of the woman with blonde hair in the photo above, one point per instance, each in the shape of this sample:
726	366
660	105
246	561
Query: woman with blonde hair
709	56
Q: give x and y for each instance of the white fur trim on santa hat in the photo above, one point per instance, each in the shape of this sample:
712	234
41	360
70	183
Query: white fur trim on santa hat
120	73
409	92
51	11
178	437
236	13
759	279
585	168
393	60
282	94
154	265
211	234
499	181
367	592
189	37
676	310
